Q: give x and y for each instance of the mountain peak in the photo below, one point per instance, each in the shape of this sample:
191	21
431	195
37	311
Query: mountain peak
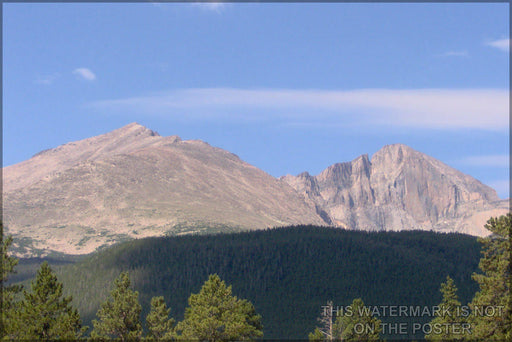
400	188
135	129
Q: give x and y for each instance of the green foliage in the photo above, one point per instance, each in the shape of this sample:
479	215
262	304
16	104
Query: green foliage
287	273
158	322
449	323
8	262
491	307
119	317
316	336
357	324
7	304
44	314
214	314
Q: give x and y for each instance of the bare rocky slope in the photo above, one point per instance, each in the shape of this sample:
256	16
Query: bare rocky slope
399	189
133	183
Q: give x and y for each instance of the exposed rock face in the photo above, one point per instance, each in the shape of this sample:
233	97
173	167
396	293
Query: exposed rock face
400	189
132	183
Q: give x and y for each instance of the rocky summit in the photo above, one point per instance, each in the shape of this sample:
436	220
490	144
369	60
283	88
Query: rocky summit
399	189
133	183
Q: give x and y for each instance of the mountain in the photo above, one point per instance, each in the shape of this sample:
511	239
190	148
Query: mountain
133	183
400	188
287	273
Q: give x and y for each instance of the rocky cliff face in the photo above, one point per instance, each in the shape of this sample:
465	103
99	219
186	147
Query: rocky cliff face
400	188
132	183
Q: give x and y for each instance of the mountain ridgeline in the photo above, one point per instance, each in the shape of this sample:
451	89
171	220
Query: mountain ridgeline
287	273
133	183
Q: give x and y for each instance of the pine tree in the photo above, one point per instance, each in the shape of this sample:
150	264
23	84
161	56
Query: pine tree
44	314
449	323
214	314
491	309
7	304
357	324
316	336
158	322
120	316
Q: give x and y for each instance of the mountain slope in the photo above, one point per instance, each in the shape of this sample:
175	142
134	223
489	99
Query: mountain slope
400	188
132	182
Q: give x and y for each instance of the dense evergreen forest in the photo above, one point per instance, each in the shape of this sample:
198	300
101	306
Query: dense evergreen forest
288	273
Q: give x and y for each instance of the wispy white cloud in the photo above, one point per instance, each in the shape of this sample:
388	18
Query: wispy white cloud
502	44
494	160
422	108
46	79
84	74
454	54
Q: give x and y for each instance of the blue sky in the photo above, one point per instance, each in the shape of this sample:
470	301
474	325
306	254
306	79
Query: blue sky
287	87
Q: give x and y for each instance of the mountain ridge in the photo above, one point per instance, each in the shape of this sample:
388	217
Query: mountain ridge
132	182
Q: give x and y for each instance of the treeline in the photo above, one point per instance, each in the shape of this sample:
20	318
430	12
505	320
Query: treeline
487	317
286	274
43	313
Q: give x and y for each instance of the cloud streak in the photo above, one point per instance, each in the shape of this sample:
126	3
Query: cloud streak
454	54
501	44
422	108
84	74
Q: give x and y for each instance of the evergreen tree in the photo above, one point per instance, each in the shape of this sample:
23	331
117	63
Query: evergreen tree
158	322
491	307
316	336
449	323
214	314
7	305
357	324
44	314
120	316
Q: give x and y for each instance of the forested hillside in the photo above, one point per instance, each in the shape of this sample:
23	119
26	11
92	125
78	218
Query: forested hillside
287	273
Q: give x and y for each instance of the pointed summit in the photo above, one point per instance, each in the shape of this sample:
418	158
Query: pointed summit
135	129
126	139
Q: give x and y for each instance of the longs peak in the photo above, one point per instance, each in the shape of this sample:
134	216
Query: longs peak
400	188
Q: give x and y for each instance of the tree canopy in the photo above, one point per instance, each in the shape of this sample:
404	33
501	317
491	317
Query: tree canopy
44	314
357	324
214	314
119	317
449	323
158	322
491	306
